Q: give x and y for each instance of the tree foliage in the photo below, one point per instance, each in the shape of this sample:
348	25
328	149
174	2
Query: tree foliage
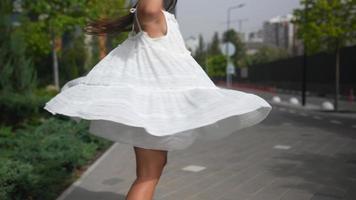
104	9
44	18
214	46
17	72
267	54
240	53
45	23
200	53
216	66
326	24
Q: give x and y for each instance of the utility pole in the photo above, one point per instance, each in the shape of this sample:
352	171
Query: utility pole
239	21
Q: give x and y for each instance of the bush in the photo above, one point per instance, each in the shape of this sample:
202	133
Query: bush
18	108
39	162
17	180
216	66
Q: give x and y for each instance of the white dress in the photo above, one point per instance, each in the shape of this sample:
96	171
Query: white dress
151	93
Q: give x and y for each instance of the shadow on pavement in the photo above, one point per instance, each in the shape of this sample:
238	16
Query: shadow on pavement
277	119
325	176
82	193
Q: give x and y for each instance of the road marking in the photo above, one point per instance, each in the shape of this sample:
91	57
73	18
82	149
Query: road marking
291	111
282	147
303	114
335	122
317	117
286	123
282	109
193	168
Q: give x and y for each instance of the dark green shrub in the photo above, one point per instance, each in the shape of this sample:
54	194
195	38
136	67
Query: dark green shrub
6	138
45	157
17	180
16	108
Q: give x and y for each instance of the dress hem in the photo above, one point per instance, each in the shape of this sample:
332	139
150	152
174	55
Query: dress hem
262	110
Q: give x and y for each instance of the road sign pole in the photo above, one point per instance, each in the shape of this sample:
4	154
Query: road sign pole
227	49
228	74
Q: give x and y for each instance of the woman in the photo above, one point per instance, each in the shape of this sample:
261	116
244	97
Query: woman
149	92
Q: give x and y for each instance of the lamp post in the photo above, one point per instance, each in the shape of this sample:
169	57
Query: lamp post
229	9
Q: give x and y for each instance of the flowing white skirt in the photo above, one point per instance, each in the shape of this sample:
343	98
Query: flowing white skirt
163	102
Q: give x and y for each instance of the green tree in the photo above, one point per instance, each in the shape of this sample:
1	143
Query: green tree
267	54
17	73
216	66
74	56
48	20
327	25
200	53
214	46
240	53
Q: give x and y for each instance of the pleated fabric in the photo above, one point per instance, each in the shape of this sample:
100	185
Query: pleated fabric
151	93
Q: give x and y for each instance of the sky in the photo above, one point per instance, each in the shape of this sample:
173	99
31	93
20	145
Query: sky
208	16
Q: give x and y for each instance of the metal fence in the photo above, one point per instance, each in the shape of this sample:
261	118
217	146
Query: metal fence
287	73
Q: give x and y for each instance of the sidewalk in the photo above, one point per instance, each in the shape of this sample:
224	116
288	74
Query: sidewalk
286	157
104	178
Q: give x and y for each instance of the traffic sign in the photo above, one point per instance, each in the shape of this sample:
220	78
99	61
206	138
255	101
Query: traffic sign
228	46
230	68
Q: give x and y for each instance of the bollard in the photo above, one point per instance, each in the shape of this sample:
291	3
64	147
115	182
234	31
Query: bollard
294	101
276	99
327	105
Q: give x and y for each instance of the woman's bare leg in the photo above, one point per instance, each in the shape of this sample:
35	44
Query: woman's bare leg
149	167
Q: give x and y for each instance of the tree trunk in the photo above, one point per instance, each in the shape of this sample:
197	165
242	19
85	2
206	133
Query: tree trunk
337	78
55	62
89	49
102	46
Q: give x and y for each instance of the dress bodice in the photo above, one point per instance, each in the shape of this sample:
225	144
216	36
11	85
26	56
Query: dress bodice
152	63
172	41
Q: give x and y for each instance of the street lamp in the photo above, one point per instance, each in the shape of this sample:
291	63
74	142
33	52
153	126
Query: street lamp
229	9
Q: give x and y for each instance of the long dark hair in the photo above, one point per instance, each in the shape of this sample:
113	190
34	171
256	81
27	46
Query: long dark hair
119	24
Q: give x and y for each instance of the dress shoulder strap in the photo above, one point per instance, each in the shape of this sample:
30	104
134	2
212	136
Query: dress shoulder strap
138	23
134	10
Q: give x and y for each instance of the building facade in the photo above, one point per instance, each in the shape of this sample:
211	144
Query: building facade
281	32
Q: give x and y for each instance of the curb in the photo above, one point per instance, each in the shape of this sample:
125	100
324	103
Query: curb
86	173
314	108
